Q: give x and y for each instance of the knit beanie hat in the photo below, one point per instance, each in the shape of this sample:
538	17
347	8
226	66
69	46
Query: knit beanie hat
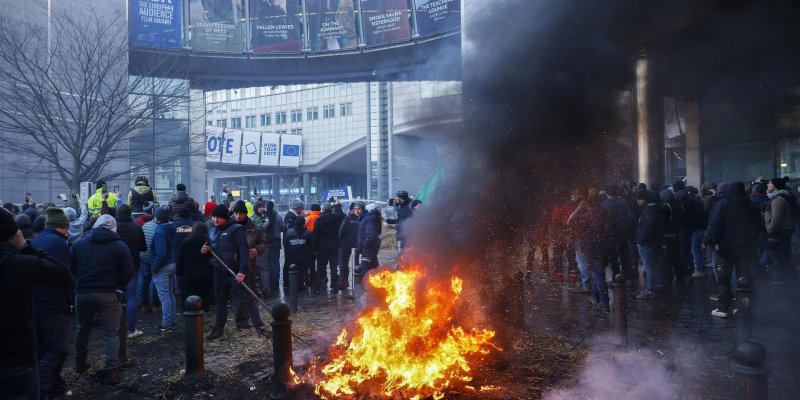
148	205
297	205
38	224
240	207
220	211
185	213
124	210
56	218
8	228
99	184
316	207
162	215
23	221
679	185
779	183
259	204
181	187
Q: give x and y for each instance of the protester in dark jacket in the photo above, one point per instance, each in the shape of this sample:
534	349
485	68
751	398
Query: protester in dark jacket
650	238
133	236
22	266
24	224
257	245
736	224
690	219
162	265
597	235
326	245
674	214
179	201
404	212
194	268
272	226
296	209
759	199
369	240
348	236
53	308
298	245
101	262
617	208
228	240
698	233
183	228
139	194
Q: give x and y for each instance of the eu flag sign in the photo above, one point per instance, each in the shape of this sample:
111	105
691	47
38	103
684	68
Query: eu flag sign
291	150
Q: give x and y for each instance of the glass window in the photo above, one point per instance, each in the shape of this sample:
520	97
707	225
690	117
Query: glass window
266	120
298	131
741	162
280	118
346	109
236	123
788	157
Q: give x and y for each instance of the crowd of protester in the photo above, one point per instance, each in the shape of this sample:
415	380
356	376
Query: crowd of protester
674	234
59	263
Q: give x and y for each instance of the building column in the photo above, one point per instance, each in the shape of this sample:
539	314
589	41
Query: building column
306	188
210	184
276	187
694	161
649	124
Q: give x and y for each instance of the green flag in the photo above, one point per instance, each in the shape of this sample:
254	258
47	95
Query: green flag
430	186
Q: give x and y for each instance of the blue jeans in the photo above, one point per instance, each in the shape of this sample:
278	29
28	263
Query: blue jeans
145	290
581	260
164	279
697	250
597	266
130	296
652	264
106	306
19	382
274	257
52	346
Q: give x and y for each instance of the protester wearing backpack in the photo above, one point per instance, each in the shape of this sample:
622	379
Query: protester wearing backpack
778	219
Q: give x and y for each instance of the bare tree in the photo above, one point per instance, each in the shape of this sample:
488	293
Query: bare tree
69	106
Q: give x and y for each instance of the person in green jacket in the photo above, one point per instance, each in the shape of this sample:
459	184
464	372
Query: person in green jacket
95	203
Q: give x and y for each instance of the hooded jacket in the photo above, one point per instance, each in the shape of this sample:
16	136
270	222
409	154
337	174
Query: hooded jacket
178	202
77	225
722	191
311	219
617	208
95	203
149	230
52	299
191	262
404	212
272	226
162	253
101	262
348	232
326	232
139	194
760	200
133	236
597	233
778	214
673	212
736	221
298	245
369	240
650	230
229	242
255	240
19	272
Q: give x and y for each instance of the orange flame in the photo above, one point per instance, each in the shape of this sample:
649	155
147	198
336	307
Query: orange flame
404	348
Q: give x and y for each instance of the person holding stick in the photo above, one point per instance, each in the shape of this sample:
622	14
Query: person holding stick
228	240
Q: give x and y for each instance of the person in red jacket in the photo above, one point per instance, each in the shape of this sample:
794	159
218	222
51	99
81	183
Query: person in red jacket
209	207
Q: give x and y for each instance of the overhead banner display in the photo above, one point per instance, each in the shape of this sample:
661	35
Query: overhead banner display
251	142
436	16
231	146
385	21
276	26
342	193
155	23
216	25
291	150
214	141
332	25
269	149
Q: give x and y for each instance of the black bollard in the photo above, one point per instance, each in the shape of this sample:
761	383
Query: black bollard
358	289
193	311
743	294
620	309
123	331
281	349
293	277
749	372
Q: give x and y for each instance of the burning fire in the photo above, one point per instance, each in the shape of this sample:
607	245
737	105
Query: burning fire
405	348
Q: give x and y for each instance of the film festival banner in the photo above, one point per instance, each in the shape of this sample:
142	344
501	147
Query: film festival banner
251	143
291	150
385	21
214	143
216	25
155	23
275	25
436	16
332	24
231	146
269	149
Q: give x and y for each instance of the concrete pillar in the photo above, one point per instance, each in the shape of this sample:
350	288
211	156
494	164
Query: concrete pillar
694	161
210	185
649	124
276	187
307	189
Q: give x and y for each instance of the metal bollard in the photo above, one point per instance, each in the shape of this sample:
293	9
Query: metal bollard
399	252
620	309
123	331
352	267
193	311
358	288
749	372
293	277
743	293
281	349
